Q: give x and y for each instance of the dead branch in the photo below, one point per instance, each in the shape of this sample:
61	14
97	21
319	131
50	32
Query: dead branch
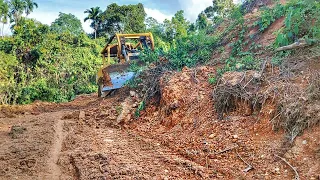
194	77
277	115
227	149
297	177
263	67
250	167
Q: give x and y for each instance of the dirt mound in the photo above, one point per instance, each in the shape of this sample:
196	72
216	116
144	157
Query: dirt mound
186	122
179	138
180	92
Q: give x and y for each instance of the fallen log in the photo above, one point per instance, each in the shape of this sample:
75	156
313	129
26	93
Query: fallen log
299	44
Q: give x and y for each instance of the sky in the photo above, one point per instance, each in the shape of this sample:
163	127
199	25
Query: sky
48	10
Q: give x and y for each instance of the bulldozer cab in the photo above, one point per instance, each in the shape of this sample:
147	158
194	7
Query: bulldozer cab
127	47
124	49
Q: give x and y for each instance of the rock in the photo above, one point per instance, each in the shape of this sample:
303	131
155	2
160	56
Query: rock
238	65
103	113
102	156
256	75
235	136
82	115
205	143
128	117
232	78
166	171
112	117
132	94
67	116
304	142
277	170
36	113
175	104
212	136
135	105
15	130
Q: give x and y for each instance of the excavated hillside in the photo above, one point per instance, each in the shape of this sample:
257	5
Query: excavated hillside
261	124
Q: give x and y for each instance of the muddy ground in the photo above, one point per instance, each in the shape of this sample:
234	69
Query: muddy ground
76	144
93	138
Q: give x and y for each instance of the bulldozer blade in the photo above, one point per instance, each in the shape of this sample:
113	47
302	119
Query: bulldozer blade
118	80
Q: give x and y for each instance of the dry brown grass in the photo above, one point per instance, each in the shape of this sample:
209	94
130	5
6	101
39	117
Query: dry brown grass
297	114
246	91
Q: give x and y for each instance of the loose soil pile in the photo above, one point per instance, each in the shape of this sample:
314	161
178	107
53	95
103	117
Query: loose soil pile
181	137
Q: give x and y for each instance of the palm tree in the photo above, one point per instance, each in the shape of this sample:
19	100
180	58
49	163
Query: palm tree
4	14
29	6
94	16
17	7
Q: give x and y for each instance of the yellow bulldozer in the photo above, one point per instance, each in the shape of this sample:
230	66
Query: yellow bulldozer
127	48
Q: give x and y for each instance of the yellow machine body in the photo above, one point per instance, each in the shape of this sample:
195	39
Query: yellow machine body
127	48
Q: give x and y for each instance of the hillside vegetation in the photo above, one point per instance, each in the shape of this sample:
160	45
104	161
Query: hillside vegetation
57	62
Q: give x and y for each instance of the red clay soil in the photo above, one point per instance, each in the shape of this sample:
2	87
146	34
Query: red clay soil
269	35
92	138
186	122
83	144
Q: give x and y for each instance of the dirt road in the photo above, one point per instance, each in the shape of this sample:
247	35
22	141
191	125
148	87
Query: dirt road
92	138
73	144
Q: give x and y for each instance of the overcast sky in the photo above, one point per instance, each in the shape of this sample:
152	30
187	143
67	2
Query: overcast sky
48	10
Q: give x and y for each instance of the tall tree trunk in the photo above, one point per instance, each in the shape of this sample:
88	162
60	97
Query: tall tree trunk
95	30
2	31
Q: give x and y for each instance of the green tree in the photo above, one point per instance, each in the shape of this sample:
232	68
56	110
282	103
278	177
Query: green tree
94	16
29	6
8	64
192	28
4	14
211	11
202	21
151	22
224	7
169	30
135	17
16	9
67	23
126	18
154	26
218	10
180	24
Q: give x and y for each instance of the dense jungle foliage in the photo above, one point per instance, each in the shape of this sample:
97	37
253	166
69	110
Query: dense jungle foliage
57	62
